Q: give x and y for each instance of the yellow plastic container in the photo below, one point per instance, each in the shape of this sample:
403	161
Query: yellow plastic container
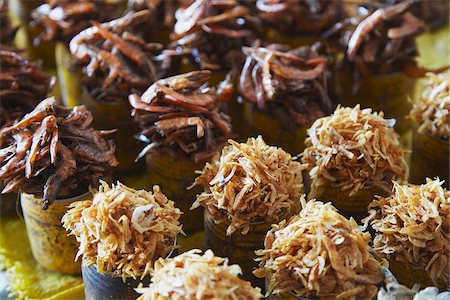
69	76
409	275
350	206
239	248
174	176
20	12
273	131
389	93
50	244
429	158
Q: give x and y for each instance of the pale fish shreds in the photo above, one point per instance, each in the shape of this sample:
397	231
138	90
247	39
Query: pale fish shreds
432	110
250	182
412	226
353	149
123	230
319	253
198	277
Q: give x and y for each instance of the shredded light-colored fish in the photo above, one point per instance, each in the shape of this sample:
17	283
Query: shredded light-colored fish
250	182
197	277
319	253
432	110
123	230
412	226
353	149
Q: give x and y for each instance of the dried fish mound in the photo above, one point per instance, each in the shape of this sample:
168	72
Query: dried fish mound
182	115
216	30
53	153
319	253
119	57
289	84
63	19
22	85
249	182
300	17
432	111
353	149
191	276
123	230
412	226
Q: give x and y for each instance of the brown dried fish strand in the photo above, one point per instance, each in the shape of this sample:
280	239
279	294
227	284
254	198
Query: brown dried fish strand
183	115
193	275
7	32
353	149
52	152
300	17
216	30
432	111
22	85
123	230
287	83
412	226
63	19
249	182
319	253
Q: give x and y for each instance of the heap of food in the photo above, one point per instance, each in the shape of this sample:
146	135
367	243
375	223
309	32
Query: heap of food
304	18
319	253
412	226
353	149
215	30
8	31
383	42
117	57
194	276
22	85
181	114
122	230
250	182
54	153
288	84
432	111
63	19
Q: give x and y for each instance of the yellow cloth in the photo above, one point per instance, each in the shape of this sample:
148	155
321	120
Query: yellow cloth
28	280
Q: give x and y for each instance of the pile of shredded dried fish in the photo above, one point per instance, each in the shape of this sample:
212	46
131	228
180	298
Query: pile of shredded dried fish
288	84
413	226
119	57
123	230
215	30
396	291
54	153
193	275
7	32
249	182
432	111
381	41
353	149
63	19
22	85
308	17
319	253
181	115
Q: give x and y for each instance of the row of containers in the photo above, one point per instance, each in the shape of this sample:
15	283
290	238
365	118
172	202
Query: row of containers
54	250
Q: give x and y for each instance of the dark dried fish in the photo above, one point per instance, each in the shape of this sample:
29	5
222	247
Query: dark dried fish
163	10
119	58
53	152
300	17
63	19
22	85
182	114
7	32
214	29
286	83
